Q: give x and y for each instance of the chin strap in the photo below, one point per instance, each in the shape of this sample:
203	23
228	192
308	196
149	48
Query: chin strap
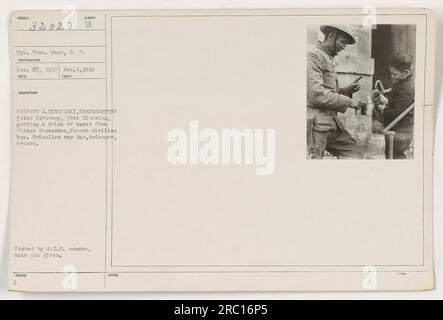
334	42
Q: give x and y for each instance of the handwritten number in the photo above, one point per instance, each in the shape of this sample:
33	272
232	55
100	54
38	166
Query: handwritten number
41	26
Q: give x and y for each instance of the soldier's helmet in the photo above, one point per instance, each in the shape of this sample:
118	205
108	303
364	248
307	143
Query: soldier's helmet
344	30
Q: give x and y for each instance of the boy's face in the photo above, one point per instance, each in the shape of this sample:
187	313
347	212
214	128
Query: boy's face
397	75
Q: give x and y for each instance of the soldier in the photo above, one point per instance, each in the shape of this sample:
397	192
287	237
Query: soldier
325	98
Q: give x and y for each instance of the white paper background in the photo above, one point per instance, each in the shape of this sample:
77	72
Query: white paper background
10	5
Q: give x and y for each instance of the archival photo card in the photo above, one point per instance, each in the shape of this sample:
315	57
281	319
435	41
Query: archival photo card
176	150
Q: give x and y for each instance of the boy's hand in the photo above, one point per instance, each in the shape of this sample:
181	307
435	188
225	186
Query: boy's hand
379	98
383	100
381	107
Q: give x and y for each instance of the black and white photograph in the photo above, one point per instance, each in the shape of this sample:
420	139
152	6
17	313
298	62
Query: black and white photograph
360	91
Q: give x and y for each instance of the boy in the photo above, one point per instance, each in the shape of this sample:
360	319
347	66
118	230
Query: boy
400	98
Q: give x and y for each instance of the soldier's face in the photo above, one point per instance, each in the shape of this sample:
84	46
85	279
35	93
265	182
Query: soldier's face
340	43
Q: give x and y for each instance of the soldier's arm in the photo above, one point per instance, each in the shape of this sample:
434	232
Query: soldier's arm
345	91
320	96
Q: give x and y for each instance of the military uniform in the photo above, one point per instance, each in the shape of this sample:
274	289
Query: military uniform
325	99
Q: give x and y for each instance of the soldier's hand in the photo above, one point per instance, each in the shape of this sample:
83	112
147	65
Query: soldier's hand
355	85
355	105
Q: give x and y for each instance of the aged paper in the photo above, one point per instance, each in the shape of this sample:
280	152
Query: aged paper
222	150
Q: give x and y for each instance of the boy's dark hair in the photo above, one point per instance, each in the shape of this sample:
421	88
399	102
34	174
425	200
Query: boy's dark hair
402	62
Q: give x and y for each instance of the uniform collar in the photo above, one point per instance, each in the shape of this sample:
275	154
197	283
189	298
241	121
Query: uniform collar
324	48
